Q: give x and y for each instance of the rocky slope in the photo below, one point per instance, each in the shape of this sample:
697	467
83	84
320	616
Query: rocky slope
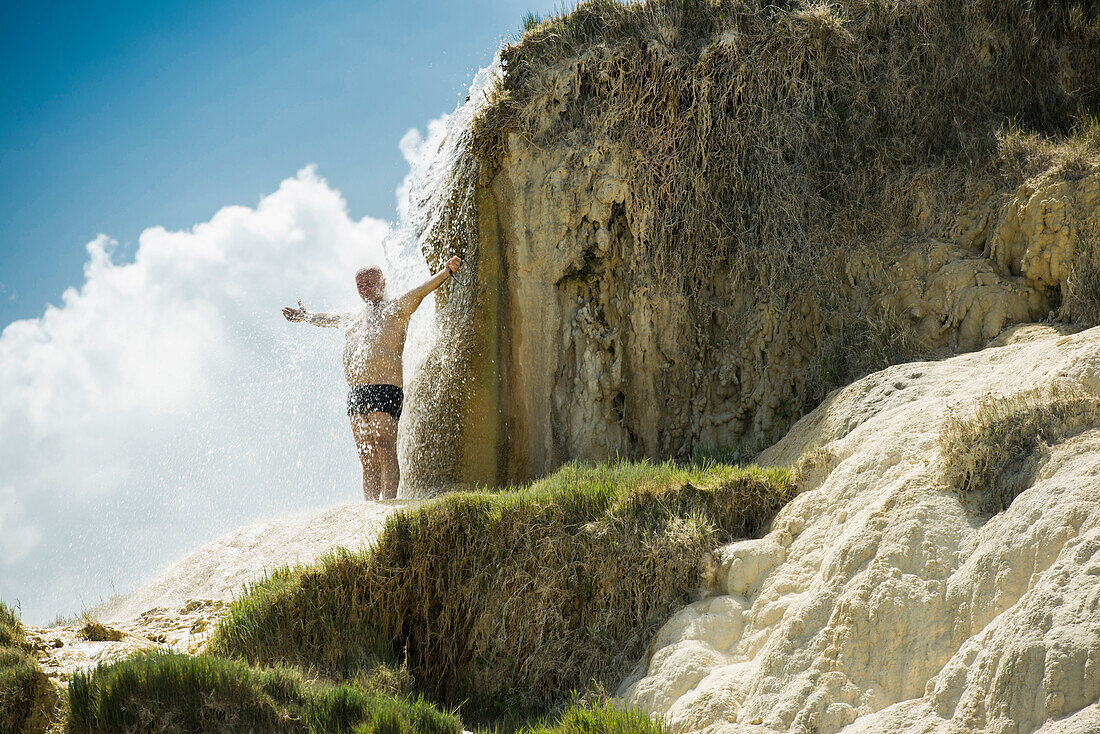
179	607
221	568
880	601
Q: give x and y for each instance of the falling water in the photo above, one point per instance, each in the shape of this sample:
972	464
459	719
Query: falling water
440	222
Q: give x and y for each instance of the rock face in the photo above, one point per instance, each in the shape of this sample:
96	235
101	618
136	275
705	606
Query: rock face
881	602
595	363
687	224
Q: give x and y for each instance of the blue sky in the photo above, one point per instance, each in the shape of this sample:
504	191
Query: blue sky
120	116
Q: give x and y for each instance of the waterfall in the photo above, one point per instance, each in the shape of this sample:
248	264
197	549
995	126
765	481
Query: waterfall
438	220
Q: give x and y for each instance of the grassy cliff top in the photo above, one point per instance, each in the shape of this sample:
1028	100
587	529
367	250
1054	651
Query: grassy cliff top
768	134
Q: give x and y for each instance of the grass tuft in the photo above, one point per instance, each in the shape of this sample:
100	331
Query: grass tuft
990	452
94	631
507	601
173	693
11	629
598	717
26	696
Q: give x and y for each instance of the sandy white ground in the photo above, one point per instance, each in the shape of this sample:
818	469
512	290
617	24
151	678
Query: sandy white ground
179	608
220	569
877	603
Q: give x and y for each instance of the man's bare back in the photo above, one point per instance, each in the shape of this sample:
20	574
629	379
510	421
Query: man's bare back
374	343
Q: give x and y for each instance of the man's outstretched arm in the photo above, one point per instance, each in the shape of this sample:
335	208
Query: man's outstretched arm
318	318
411	300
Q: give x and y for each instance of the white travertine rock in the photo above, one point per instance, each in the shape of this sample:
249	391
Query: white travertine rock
747	562
220	569
877	603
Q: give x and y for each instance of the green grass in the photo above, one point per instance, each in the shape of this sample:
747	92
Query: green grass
169	692
506	602
600	717
11	629
26	696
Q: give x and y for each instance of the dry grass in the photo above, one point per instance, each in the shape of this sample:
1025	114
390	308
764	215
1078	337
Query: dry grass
768	135
860	343
509	601
1079	155
94	631
1081	296
990	452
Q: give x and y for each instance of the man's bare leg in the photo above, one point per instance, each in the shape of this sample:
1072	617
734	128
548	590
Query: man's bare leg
384	430
376	442
368	456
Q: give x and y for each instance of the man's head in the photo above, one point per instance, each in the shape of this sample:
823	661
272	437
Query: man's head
371	283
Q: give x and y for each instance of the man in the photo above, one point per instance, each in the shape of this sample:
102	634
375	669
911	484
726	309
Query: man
375	340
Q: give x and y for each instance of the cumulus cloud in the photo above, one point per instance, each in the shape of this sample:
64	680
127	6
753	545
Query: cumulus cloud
167	400
418	150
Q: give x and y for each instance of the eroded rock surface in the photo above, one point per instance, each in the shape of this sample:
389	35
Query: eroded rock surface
879	601
598	363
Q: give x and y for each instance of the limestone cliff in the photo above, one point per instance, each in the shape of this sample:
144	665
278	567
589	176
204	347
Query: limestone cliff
688	222
881	602
601	364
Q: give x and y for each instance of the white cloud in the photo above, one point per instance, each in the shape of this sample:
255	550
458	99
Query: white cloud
167	400
418	152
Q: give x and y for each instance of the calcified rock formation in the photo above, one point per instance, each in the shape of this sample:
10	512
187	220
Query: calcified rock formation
689	222
881	602
601	365
589	361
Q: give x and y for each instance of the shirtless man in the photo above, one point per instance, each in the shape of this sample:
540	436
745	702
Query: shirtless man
372	365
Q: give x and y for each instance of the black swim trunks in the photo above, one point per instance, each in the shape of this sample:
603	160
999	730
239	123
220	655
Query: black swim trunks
364	399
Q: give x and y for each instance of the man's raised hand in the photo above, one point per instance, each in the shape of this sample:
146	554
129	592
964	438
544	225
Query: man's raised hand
453	265
294	314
